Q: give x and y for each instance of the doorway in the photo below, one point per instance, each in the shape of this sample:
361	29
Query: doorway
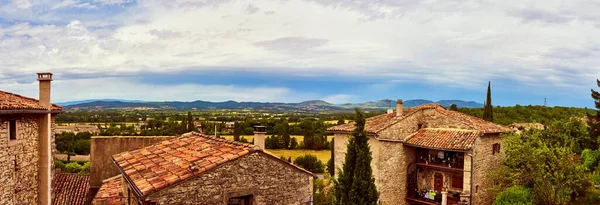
240	200
438	181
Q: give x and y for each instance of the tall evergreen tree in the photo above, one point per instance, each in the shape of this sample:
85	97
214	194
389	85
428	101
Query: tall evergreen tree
331	162
454	107
190	122
356	184
488	113
237	131
285	136
594	120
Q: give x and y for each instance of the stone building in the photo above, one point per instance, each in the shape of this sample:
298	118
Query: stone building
27	146
428	155
200	169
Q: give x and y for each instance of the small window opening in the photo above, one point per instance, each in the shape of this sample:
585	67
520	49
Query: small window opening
419	126
495	148
12	124
241	200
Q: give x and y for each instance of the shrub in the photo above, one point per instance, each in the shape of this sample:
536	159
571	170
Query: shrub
85	169
515	195
310	163
59	164
72	167
590	158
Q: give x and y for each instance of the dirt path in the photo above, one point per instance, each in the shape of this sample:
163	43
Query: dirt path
78	158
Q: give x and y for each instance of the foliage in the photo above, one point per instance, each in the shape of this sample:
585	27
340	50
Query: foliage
330	163
310	163
515	195
356	184
293	143
323	195
529	113
72	144
594	120
85	169
590	158
488	113
453	107
72	167
536	159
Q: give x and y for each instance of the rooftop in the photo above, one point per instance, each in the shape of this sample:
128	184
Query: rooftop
376	124
155	167
11	101
110	192
444	139
71	189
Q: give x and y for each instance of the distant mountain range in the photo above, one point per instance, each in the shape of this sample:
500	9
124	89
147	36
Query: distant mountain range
313	105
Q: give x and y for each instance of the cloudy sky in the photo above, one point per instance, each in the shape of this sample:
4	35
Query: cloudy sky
294	50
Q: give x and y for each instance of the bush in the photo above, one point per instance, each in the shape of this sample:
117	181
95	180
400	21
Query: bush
73	167
310	163
516	195
59	164
590	158
85	169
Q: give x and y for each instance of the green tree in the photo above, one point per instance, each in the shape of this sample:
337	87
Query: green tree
341	122
516	195
356	184
552	170
309	133
190	123
488	113
310	162
594	120
453	107
331	162
285	136
237	131
293	143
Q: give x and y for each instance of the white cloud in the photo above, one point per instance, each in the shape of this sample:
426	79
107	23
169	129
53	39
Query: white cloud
340	98
454	43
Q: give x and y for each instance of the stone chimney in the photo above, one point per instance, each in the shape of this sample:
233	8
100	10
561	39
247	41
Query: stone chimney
399	108
45	137
45	79
259	136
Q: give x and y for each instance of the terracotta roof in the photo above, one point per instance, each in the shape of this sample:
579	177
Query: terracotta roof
10	101
444	139
376	124
111	192
71	189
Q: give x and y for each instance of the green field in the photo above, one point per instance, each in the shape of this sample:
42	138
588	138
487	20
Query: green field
250	137
323	155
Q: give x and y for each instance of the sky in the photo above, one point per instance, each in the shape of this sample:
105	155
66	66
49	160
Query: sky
340	51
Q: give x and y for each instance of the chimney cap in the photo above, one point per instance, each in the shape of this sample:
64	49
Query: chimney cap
399	101
44	76
260	128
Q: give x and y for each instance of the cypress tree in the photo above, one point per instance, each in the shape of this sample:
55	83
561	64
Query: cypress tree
356	184
488	113
190	123
237	131
594	120
331	162
285	137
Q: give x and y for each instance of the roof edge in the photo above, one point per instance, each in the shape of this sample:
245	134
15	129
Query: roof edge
288	163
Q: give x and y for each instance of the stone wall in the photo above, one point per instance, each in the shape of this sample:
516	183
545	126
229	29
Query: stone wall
268	179
103	148
19	160
483	163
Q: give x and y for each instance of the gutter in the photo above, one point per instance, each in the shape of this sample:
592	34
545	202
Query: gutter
30	112
136	190
471	192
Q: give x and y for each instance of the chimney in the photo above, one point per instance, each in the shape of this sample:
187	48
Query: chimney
259	136
45	79
399	108
45	136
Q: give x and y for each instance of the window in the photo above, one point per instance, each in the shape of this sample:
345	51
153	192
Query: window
495	148
457	181
241	200
12	126
419	126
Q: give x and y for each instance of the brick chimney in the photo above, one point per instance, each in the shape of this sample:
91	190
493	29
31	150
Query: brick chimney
45	137
399	109
259	136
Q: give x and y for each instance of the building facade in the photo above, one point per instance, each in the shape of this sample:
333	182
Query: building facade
27	146
201	169
428	155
